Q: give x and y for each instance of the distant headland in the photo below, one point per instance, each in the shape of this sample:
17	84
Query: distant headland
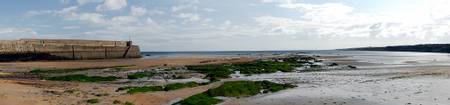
65	49
442	48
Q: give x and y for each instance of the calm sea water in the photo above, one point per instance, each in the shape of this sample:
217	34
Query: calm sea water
381	57
215	54
391	58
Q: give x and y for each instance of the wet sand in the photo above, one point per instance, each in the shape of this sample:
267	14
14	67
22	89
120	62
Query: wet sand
373	84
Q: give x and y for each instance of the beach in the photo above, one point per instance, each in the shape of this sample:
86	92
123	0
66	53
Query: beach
406	79
16	89
381	78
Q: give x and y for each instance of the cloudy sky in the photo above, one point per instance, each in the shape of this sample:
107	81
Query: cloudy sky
187	25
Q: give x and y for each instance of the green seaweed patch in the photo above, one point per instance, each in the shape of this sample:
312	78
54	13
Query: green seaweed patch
247	88
140	75
133	90
258	67
128	103
92	101
215	72
176	86
234	89
82	78
169	87
200	99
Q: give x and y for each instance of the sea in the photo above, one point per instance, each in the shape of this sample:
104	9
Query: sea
152	55
380	57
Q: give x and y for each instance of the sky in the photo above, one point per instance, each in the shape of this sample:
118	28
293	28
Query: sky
218	25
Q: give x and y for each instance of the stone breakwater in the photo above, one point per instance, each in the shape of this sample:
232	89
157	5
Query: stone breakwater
64	49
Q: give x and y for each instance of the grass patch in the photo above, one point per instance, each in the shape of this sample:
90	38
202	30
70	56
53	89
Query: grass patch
82	78
92	101
234	89
140	75
70	70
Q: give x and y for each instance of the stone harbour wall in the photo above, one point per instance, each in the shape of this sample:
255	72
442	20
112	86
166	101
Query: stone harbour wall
71	49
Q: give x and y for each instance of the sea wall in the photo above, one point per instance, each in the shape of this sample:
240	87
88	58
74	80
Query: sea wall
71	49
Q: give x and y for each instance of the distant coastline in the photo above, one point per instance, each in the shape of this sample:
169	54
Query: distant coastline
437	48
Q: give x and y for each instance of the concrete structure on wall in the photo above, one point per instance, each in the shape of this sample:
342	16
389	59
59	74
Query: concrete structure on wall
71	49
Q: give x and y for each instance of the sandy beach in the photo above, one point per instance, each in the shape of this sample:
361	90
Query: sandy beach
20	91
381	79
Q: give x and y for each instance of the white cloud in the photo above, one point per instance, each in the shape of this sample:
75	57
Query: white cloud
92	18
123	20
109	5
17	33
64	11
35	13
190	16
278	25
138	11
71	13
183	7
67	10
209	9
70	27
82	2
337	20
157	12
